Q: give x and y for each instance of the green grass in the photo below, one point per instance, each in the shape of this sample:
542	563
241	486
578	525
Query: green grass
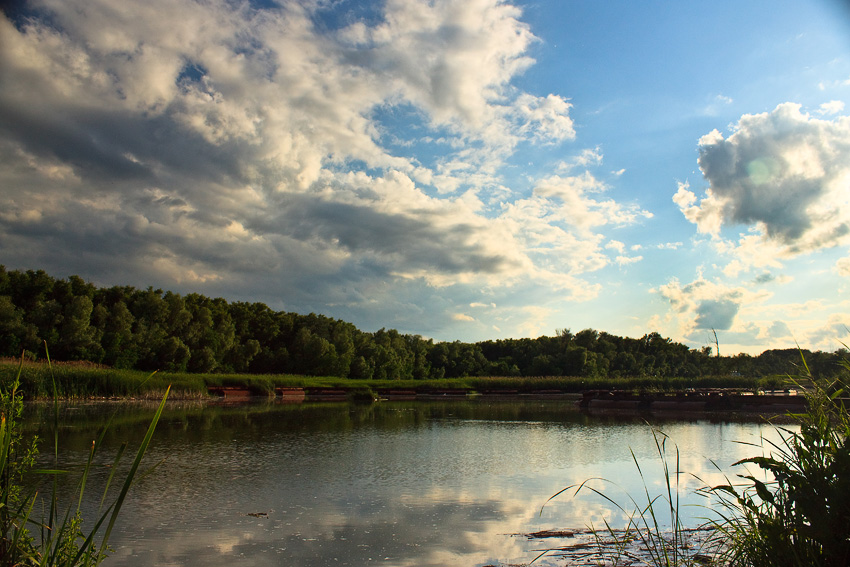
798	515
88	381
58	537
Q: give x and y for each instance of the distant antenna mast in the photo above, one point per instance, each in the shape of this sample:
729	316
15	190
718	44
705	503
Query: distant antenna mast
716	343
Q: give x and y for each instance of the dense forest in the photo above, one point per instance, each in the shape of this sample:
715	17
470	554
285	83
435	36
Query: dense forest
149	329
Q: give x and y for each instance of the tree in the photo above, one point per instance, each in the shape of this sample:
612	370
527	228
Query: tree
149	330
116	323
313	355
14	334
173	356
586	338
78	340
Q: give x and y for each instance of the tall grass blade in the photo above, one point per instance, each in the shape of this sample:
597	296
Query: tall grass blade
61	541
130	475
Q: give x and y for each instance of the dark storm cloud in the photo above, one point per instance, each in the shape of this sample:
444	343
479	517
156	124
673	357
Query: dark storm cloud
414	242
233	149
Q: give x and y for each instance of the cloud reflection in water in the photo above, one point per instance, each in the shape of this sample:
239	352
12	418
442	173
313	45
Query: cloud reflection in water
396	484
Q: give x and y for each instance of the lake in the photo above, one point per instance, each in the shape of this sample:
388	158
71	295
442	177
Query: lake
436	483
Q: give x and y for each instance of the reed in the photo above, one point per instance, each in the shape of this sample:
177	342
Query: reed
92	381
655	533
800	514
61	537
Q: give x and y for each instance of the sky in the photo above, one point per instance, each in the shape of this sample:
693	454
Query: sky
458	169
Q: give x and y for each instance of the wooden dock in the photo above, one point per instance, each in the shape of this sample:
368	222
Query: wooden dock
709	400
695	400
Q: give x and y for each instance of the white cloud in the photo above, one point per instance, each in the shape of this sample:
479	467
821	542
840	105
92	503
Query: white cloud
587	158
832	335
778	330
831	107
616	245
747	315
783	175
716	104
626	260
535	321
669	246
453	58
240	150
703	304
545	120
782	171
620	247
579	209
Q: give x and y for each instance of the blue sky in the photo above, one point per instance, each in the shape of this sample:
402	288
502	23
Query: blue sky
460	169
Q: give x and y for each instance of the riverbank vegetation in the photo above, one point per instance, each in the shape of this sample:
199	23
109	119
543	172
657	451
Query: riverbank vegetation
78	380
125	328
37	527
798	513
793	512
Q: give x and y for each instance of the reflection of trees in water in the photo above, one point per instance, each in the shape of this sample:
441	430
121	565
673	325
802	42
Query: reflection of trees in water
424	483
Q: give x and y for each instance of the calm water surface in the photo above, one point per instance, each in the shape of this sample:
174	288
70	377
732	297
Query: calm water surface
392	484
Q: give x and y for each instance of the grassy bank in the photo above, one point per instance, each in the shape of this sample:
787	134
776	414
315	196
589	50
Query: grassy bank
788	506
35	529
76	380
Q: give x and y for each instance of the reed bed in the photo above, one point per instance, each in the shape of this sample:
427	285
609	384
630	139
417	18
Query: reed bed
78	380
796	515
59	536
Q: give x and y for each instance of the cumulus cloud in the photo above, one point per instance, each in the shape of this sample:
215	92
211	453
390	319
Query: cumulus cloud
748	317
705	304
778	330
250	151
832	335
831	107
783	173
626	260
545	120
716	314
616	245
580	208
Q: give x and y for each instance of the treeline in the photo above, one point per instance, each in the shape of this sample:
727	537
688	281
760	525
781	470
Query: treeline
149	329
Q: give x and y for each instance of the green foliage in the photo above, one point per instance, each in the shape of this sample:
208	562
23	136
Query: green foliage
654	533
60	537
797	515
800	514
17	458
128	328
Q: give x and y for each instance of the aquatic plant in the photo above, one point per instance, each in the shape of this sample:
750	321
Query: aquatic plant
61	537
799	515
802	516
654	532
